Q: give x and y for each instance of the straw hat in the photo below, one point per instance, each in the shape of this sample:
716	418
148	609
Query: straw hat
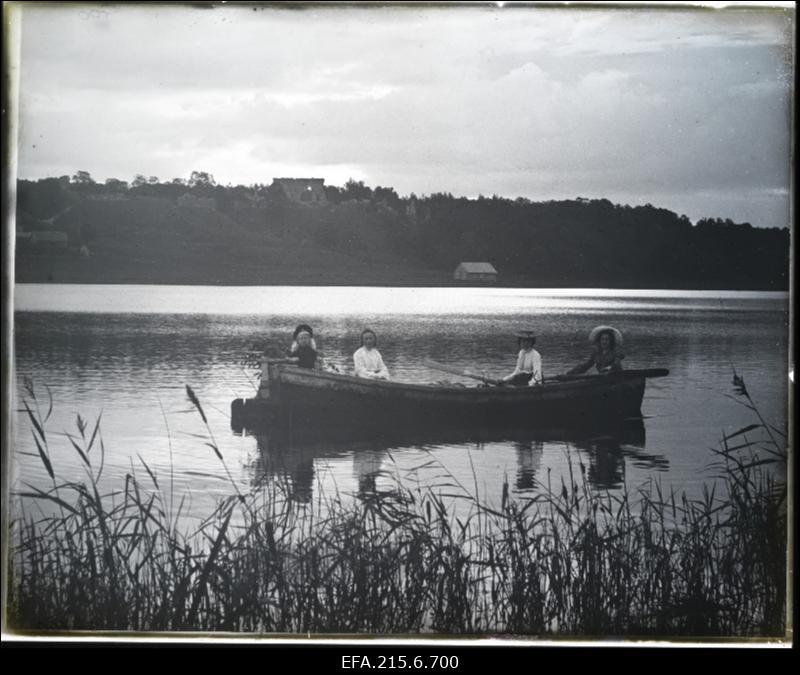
596	332
525	335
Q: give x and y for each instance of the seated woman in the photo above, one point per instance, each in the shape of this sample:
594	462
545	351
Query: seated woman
529	363
367	359
606	355
303	351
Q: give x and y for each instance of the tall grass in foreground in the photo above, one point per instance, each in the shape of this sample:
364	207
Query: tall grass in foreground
570	561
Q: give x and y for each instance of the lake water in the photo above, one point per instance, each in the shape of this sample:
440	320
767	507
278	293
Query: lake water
127	353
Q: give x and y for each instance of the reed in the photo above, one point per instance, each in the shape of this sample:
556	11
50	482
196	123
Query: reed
570	561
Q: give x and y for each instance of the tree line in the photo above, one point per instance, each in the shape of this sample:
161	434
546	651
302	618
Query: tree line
580	242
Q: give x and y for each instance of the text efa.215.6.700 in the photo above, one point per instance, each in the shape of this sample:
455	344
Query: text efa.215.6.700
381	662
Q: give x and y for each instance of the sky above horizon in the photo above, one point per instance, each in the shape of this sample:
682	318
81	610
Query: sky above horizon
687	110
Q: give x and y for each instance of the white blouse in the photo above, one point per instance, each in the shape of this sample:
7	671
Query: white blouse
529	362
368	363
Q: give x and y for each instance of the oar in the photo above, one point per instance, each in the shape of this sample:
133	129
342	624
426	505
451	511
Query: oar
644	372
488	380
459	371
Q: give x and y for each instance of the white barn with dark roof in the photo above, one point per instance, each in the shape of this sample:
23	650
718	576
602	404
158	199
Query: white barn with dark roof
482	272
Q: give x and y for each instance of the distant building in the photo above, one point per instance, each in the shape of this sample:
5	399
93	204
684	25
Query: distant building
482	272
50	239
303	190
201	202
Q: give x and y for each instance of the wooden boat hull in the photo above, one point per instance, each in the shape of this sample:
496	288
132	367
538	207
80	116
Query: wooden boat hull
300	400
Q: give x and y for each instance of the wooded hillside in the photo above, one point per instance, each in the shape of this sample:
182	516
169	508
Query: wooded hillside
197	232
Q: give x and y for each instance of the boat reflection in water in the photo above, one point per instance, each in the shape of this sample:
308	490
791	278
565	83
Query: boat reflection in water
604	454
292	465
367	467
529	460
296	464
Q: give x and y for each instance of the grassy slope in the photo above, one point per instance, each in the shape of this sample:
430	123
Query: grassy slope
148	240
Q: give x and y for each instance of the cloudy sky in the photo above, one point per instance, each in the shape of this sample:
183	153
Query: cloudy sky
688	110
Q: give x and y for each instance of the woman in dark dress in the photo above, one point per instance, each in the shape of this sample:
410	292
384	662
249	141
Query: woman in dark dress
606	356
303	351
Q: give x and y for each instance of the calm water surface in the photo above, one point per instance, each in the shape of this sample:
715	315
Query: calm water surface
127	352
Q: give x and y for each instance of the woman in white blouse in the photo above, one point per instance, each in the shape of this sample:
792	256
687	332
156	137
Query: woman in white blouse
529	362
367	359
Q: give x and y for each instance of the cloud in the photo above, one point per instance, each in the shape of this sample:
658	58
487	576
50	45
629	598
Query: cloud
533	102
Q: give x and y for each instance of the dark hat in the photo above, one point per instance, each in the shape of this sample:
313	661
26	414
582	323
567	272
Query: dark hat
525	335
303	327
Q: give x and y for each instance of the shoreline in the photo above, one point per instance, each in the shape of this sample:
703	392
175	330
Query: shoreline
555	289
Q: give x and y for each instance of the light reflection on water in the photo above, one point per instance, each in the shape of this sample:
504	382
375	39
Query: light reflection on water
360	301
98	352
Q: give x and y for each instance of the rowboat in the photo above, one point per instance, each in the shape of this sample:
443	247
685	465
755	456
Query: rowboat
300	400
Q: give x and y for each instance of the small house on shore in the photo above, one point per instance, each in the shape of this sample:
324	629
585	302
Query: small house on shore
309	191
479	272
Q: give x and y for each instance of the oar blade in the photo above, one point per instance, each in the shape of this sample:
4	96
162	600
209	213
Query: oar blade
435	365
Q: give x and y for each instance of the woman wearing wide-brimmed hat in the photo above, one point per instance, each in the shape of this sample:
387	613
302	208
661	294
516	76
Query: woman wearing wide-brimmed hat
606	354
529	363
